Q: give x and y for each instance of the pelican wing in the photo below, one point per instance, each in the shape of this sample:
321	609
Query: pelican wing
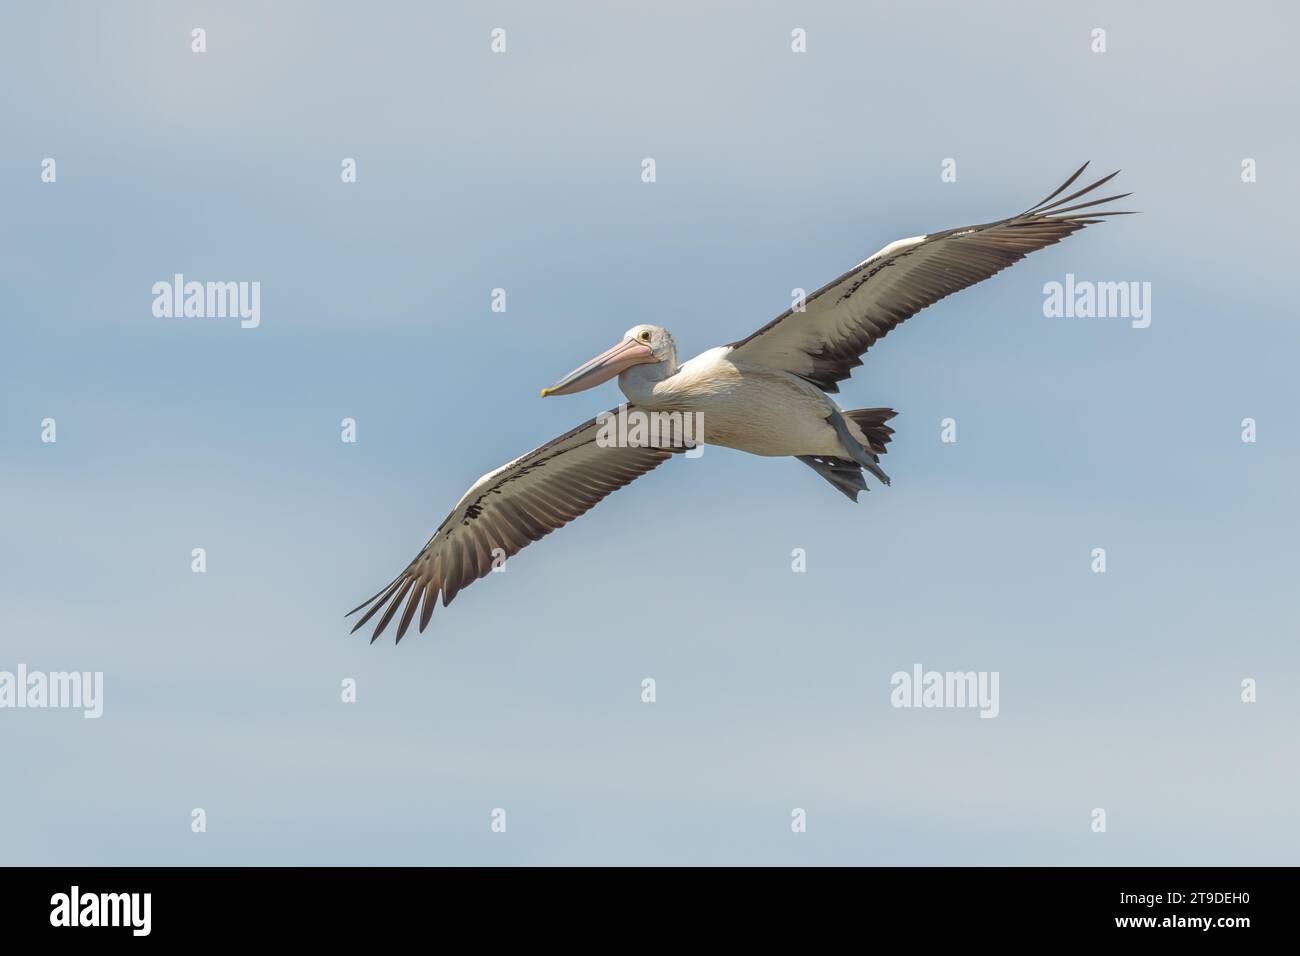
504	512
822	344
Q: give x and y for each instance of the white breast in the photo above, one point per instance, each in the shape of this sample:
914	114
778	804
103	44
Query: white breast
761	411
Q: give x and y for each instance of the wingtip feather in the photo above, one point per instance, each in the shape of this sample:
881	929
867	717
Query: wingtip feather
1061	188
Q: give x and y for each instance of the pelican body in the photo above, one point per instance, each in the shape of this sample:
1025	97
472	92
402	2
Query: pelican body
768	394
743	404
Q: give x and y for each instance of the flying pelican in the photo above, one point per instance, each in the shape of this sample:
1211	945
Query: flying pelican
767	394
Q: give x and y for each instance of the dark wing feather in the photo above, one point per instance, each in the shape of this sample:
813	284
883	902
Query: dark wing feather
504	512
823	344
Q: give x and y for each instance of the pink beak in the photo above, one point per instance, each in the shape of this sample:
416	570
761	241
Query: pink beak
602	368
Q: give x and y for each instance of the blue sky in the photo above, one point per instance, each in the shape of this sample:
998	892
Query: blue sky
774	170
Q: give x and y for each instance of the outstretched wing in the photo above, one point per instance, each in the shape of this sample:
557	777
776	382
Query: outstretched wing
842	320
504	512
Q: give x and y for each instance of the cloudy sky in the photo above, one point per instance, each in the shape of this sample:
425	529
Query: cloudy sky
775	170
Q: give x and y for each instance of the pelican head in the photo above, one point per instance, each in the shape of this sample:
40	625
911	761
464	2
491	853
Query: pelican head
641	345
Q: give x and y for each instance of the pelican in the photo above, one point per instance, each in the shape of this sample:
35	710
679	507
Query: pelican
767	394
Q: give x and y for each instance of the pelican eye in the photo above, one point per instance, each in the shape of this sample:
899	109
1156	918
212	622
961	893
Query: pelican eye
644	336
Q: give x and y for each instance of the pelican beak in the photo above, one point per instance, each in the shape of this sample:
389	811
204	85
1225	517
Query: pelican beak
602	368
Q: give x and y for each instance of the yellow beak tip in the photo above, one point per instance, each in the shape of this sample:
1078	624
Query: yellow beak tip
545	392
